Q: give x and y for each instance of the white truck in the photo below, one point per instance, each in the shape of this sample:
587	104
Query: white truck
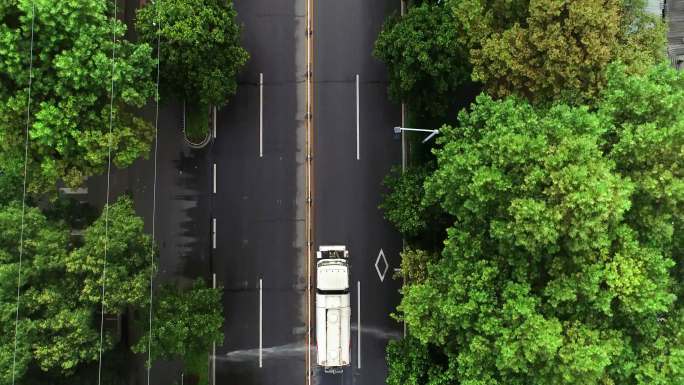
333	308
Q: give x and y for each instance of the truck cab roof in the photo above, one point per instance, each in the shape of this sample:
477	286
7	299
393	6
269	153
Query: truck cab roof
332	275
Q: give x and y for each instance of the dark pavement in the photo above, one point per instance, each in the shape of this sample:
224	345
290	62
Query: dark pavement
347	190
183	209
260	202
182	215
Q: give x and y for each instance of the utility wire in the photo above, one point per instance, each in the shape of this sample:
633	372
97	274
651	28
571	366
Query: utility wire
154	194
109	171
23	196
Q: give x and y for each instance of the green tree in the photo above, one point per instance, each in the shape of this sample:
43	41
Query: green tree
111	372
11	187
647	144
186	322
538	49
643	37
564	264
402	204
562	49
55	329
414	363
414	265
60	298
23	352
200	47
426	62
66	335
129	249
478	19
70	94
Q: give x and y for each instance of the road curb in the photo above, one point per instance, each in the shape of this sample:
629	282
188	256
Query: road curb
207	139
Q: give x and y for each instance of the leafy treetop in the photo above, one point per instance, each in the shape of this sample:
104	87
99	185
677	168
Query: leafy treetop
564	264
200	47
186	322
70	91
562	48
426	62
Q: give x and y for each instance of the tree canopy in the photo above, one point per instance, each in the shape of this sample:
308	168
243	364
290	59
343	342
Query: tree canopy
541	50
561	50
564	263
60	299
425	60
200	47
70	92
86	86
186	322
55	328
129	250
402	203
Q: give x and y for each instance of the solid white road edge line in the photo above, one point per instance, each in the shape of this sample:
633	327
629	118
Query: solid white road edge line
261	346
213	348
358	318
214	122
213	233
261	115
357	118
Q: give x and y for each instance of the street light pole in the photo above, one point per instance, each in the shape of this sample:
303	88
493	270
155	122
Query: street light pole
398	130
213	344
403	164
402	130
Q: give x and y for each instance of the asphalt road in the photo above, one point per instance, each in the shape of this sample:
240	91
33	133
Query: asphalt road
347	188
261	189
182	217
260	202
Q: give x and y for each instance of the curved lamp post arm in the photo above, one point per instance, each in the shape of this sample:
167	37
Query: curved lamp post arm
398	130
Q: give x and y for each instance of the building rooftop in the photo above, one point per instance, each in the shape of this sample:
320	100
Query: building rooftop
674	13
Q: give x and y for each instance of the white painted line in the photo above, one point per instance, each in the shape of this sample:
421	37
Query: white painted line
213	348
214	122
358	318
73	191
357	118
309	111
261	339
383	259
213	233
261	115
214	178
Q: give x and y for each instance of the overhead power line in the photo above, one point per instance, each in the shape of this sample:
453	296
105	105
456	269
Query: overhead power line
154	194
109	171
23	196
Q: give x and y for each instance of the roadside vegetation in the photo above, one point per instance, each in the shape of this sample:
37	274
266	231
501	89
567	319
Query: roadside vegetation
70	93
200	52
63	245
61	286
187	321
196	122
545	225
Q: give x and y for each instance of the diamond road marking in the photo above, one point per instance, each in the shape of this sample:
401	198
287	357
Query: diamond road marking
381	274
